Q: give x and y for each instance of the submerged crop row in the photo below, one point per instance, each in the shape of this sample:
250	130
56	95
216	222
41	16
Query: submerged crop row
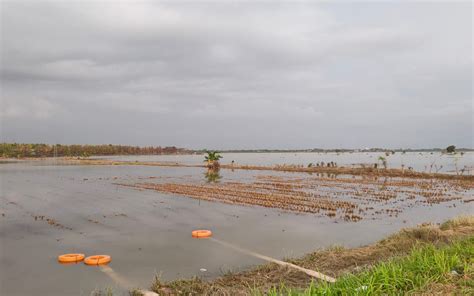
351	199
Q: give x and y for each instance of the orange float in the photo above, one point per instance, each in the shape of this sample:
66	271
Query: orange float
71	258
97	260
201	233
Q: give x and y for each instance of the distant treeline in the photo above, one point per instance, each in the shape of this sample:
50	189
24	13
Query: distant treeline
15	150
45	150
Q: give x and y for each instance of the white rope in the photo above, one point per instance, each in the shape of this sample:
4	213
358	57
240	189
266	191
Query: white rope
123	282
279	262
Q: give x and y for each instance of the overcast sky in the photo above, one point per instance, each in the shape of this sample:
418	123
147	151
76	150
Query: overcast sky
228	75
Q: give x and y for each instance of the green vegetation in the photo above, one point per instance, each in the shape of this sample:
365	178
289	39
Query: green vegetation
212	159
451	149
212	156
424	266
9	150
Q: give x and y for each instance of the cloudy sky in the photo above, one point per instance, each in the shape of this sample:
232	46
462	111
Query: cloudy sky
237	74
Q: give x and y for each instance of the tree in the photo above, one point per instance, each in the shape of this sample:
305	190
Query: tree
44	150
451	149
212	159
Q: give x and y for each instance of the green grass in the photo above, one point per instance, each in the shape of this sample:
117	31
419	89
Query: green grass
425	265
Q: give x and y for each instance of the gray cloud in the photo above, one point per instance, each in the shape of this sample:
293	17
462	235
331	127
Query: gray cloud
237	75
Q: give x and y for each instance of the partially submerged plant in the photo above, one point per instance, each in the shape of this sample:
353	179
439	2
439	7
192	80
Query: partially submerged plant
212	159
383	160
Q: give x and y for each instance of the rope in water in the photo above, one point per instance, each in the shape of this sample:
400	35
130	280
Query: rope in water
121	281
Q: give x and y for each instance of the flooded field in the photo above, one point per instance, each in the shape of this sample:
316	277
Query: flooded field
419	161
143	217
349	198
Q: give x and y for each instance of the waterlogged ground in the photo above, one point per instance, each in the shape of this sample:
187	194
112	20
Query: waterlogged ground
419	161
337	196
47	210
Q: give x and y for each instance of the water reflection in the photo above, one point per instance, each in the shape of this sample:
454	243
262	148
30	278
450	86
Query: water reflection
325	175
212	175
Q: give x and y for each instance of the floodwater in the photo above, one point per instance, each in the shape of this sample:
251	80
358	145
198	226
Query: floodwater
419	161
147	232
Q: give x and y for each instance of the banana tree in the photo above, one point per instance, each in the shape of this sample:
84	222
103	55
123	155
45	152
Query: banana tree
212	159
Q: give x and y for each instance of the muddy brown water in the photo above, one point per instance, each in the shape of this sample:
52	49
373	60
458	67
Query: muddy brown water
148	232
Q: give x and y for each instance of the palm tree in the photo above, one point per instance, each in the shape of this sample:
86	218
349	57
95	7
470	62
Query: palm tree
212	159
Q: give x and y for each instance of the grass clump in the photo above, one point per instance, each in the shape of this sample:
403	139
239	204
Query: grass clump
458	222
105	292
135	292
424	268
